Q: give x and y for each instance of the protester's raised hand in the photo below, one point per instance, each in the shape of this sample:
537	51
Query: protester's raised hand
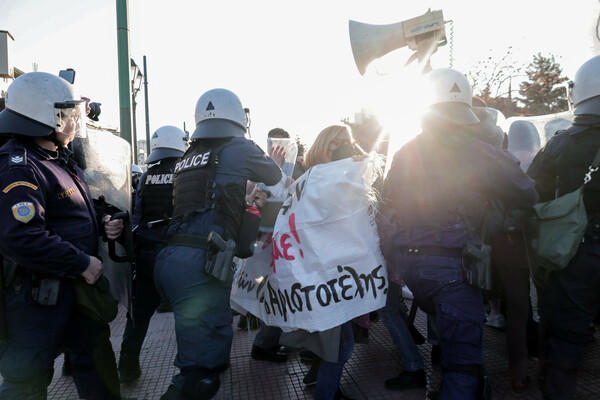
277	153
260	199
257	197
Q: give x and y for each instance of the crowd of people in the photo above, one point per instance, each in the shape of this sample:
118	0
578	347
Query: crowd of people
459	194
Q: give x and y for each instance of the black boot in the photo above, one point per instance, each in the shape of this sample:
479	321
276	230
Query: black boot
66	367
273	354
129	368
311	376
407	380
339	395
201	384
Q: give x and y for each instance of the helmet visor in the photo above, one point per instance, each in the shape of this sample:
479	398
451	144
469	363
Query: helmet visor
69	118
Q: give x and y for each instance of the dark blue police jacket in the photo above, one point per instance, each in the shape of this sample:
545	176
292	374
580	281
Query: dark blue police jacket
437	185
47	218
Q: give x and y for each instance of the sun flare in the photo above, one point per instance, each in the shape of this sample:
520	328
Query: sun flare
398	100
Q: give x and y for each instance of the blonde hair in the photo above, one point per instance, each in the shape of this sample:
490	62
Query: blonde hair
319	151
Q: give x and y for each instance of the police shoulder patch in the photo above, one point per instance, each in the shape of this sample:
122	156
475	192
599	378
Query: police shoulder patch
23	211
17	158
19	183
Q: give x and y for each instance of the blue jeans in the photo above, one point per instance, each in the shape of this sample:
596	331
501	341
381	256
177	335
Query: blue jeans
328	379
394	318
439	288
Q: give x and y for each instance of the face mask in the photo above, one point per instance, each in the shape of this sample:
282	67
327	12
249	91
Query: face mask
344	151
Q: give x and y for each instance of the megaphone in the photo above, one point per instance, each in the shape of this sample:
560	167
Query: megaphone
424	34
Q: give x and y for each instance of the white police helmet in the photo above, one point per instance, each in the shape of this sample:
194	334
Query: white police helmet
450	97
492	126
39	103
523	136
167	141
219	114
585	90
136	170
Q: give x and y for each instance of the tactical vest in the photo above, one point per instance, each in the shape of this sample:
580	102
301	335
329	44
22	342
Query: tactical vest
156	191
573	162
196	191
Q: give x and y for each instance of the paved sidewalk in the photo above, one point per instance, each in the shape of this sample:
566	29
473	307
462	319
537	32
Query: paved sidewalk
363	377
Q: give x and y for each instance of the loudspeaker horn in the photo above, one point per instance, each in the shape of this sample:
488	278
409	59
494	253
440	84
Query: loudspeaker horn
421	33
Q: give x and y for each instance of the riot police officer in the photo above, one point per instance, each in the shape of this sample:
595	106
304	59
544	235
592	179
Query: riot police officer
433	193
136	174
571	299
49	232
154	205
194	271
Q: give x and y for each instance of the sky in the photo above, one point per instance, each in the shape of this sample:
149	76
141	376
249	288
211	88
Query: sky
290	62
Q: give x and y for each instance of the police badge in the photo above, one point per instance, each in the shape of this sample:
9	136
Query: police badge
23	211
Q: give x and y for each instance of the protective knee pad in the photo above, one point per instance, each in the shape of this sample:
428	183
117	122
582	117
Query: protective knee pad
201	384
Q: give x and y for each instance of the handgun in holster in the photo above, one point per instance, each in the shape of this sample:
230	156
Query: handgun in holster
44	291
219	257
477	265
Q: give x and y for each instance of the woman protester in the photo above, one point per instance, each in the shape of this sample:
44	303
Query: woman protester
333	346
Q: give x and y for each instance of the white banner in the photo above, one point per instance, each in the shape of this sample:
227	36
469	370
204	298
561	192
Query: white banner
325	266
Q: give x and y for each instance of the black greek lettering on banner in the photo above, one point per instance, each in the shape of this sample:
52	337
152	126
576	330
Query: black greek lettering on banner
299	191
348	286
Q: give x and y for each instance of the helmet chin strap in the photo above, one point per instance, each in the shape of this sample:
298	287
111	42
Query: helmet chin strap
52	138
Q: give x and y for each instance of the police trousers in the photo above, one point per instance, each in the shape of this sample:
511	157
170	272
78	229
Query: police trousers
568	305
439	289
40	333
203	317
145	300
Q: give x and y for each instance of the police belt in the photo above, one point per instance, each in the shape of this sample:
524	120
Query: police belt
430	251
199	242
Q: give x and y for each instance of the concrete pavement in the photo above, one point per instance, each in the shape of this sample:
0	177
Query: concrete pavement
364	375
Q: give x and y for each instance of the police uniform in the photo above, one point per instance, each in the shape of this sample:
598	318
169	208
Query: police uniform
571	298
154	202
209	195
49	228
433	194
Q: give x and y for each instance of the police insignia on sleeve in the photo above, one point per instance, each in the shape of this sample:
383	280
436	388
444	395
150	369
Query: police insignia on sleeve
19	183
17	158
23	211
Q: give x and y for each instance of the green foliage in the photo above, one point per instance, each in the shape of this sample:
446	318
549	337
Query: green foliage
543	92
301	146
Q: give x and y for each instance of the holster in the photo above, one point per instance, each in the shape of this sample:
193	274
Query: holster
477	265
44	291
219	258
